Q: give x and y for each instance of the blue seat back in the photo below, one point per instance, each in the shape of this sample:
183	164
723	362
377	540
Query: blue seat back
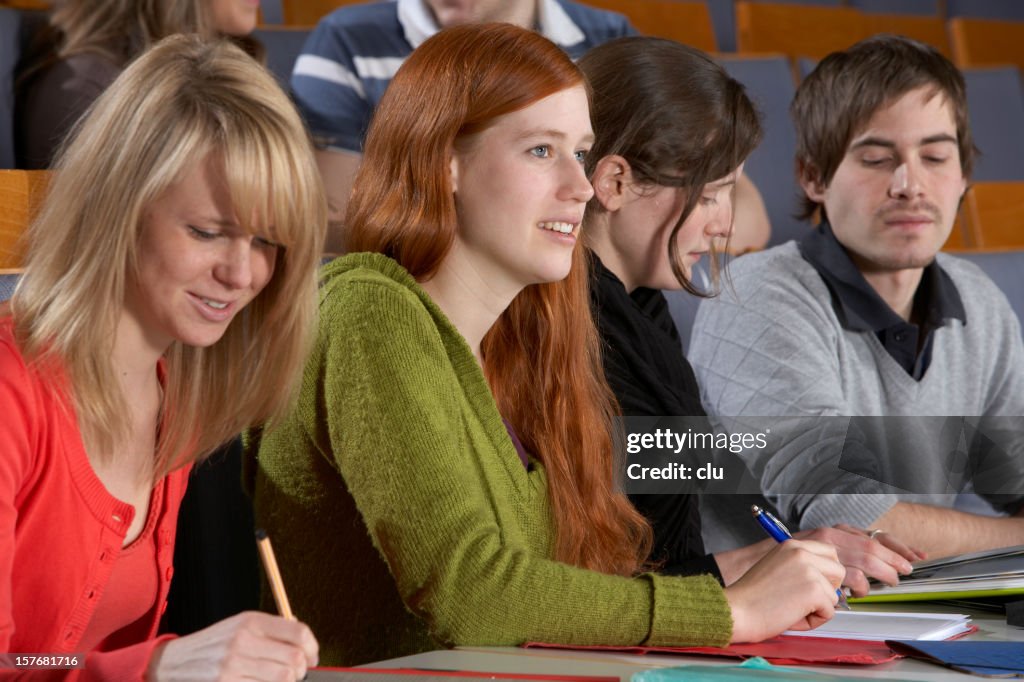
10	51
283	45
272	10
723	17
8	281
986	9
997	121
919	7
769	82
1006	268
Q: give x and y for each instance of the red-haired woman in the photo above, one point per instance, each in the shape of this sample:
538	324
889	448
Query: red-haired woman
447	477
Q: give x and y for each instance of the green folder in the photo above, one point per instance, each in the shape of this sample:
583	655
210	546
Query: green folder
751	669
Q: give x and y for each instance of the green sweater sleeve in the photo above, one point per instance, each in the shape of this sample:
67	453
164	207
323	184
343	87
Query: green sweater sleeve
438	506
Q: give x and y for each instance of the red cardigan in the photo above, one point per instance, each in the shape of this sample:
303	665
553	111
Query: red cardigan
60	530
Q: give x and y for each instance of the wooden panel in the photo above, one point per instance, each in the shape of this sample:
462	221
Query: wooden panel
685	22
960	238
994	213
797	30
27	4
930	30
21	195
309	12
986	42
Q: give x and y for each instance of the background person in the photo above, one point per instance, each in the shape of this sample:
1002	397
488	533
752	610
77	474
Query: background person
167	304
673	130
350	58
865	318
447	475
89	42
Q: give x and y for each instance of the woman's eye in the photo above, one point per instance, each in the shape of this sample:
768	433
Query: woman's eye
708	201
581	155
202	234
541	151
264	243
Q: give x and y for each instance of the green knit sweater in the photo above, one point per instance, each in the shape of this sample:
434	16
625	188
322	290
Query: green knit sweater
401	514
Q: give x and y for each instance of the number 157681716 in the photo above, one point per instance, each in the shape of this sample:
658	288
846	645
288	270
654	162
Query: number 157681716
41	661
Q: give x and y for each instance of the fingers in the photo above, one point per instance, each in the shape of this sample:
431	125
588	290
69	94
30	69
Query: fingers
793	583
825	556
893	543
887	540
857	582
289	632
249	645
264	659
856	550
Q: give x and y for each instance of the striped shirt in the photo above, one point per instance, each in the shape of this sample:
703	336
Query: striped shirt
354	52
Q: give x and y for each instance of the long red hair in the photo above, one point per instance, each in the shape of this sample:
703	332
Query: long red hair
542	356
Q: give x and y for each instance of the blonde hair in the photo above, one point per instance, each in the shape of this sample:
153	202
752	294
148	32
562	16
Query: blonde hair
184	101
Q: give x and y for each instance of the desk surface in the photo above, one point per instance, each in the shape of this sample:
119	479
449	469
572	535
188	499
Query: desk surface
563	662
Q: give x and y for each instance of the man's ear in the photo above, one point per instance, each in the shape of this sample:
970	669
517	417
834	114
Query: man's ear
611	179
810	181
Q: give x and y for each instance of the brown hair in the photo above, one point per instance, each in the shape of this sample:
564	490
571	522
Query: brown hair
541	357
846	89
674	114
118	30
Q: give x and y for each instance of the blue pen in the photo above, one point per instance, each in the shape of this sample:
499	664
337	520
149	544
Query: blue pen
780	533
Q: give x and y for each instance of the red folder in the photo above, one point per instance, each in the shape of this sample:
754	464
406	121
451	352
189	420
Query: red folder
781	650
469	673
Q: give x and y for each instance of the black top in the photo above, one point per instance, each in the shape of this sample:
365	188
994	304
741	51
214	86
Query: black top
859	307
646	369
53	101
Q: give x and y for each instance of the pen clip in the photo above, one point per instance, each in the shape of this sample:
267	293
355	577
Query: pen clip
775	520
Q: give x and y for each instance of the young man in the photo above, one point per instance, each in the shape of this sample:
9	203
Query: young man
863	317
354	52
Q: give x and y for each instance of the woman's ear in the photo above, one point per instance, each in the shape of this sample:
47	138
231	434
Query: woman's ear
611	179
453	170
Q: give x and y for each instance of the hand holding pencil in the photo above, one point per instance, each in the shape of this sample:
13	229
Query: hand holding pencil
250	645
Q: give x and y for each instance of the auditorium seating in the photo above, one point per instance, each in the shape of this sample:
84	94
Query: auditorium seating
796	30
928	8
8	281
996	106
283	45
21	195
769	82
10	51
987	42
1012	10
1006	268
993	213
723	17
930	30
686	22
308	12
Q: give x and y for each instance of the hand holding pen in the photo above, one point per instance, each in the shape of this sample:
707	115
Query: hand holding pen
780	533
792	587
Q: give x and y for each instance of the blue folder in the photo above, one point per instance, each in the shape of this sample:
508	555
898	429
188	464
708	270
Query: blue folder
987	659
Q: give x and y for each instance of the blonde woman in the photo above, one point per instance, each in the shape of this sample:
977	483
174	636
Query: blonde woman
166	305
89	42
